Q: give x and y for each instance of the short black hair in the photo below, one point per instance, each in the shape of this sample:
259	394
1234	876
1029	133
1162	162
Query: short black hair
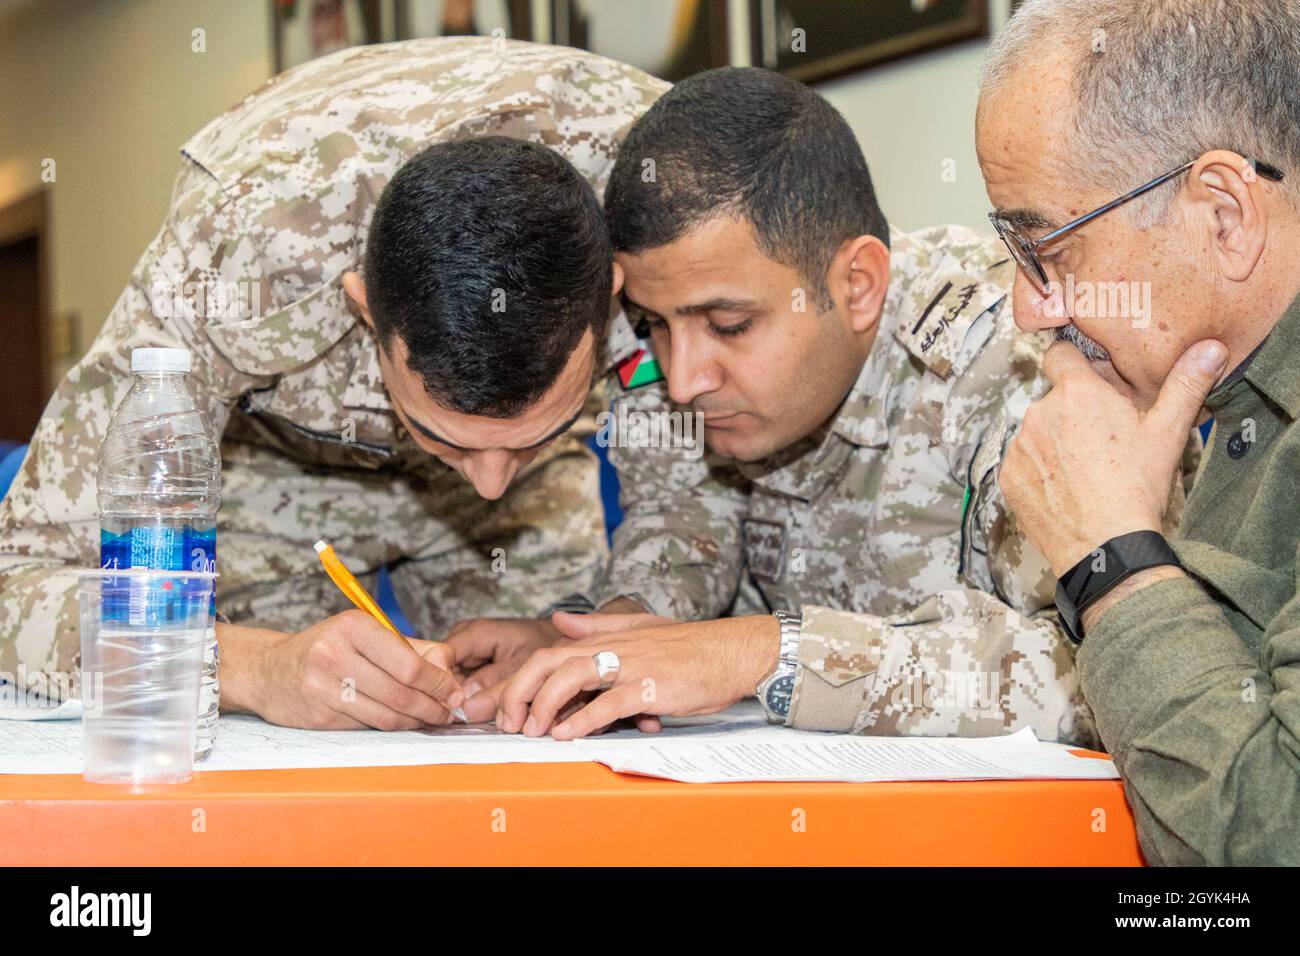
753	143
489	258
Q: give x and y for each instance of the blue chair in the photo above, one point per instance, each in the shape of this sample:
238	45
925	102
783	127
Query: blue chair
11	459
387	599
608	489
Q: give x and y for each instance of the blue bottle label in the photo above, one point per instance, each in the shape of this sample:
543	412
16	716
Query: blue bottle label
162	549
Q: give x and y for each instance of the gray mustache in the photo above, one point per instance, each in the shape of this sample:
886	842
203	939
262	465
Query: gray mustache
1090	349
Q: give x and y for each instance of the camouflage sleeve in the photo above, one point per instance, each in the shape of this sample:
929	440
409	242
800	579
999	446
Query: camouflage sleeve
986	656
49	519
970	662
997	557
963	664
985	659
981	660
678	550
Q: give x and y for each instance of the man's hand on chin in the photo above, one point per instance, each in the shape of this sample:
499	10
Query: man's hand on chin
1088	466
346	673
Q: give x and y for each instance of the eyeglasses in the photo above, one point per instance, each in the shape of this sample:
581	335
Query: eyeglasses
1025	250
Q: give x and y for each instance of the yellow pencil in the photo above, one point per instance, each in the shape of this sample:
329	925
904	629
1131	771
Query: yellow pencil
354	592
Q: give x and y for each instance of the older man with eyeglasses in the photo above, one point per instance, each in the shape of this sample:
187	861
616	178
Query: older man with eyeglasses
1190	651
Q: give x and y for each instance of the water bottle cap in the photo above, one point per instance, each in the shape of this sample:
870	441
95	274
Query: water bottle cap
161	360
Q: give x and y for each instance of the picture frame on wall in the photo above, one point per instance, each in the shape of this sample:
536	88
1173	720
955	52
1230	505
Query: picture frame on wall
670	39
302	30
512	19
809	40
812	40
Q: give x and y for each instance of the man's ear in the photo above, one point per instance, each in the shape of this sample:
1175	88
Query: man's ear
1231	201
615	303
859	276
618	279
356	291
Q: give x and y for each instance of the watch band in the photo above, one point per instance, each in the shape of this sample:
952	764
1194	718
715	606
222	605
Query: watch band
1119	558
791	631
775	690
573	603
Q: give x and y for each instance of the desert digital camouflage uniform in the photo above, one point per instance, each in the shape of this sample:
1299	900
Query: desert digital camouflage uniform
925	611
274	201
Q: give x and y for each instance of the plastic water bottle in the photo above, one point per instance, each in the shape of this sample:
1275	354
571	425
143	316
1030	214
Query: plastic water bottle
159	490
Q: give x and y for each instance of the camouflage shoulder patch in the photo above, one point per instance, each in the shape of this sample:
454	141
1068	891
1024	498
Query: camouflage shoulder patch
936	333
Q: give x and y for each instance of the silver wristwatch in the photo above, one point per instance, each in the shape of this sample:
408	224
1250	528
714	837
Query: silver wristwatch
776	689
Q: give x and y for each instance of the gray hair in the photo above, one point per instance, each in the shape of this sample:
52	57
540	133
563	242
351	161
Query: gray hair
1160	82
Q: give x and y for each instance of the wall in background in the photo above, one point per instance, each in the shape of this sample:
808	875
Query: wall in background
915	120
916	123
110	89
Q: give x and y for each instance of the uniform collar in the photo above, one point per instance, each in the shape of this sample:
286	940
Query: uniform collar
1272	368
366	390
863	418
620	344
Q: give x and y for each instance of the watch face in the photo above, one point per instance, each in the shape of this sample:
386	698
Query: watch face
778	695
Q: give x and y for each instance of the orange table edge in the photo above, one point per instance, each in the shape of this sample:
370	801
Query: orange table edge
556	814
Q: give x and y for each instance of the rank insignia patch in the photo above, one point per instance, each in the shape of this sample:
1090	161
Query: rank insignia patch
765	543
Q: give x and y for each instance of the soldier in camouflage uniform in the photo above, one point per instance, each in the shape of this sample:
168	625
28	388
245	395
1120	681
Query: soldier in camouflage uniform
274	202
887	521
921	607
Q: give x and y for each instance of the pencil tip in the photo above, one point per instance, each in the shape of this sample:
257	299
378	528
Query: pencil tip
321	546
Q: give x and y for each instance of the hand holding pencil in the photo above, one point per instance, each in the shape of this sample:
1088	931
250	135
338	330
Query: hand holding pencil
354	592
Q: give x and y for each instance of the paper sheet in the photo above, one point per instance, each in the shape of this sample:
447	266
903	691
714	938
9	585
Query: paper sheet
778	753
28	705
248	743
736	745
67	710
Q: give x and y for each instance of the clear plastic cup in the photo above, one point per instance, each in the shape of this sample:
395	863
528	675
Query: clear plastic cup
142	638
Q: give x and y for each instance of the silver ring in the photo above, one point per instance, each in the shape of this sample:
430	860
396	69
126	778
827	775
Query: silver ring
607	665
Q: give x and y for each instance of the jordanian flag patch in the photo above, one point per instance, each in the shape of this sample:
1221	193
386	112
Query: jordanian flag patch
640	369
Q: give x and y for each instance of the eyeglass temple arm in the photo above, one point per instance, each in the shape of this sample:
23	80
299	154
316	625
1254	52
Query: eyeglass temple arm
1113	204
1264	169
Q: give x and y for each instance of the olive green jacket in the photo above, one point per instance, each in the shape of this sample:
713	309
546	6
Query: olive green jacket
1195	683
